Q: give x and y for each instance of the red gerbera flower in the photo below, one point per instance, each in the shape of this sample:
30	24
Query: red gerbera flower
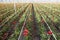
25	32
0	20
49	32
14	22
5	36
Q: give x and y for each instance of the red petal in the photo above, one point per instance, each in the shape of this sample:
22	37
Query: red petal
0	20
49	32
25	33
14	22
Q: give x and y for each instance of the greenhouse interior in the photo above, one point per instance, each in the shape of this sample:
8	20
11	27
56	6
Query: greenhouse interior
29	19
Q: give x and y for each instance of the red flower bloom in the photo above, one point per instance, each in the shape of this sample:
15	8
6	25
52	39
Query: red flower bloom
25	32
0	20
49	32
14	22
5	36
